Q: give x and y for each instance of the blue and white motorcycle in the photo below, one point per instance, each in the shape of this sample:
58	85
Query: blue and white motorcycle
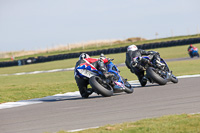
106	86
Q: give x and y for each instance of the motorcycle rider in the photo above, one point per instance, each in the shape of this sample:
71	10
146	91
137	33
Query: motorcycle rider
98	63
134	64
190	49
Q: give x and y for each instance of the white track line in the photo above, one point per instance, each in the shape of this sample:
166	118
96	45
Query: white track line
76	130
37	72
65	96
57	97
189	76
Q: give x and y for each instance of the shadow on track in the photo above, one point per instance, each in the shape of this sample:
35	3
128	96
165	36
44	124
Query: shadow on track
66	97
76	96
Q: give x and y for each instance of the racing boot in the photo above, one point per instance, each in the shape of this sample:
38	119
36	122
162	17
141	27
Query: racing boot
143	81
89	91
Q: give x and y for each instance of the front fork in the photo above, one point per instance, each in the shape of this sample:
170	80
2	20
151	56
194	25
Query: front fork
167	75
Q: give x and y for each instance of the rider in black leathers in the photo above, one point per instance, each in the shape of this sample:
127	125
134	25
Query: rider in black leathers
134	65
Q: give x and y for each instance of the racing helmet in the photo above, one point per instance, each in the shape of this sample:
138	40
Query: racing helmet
102	56
83	56
132	48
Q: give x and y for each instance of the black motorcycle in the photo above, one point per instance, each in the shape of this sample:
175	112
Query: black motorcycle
160	75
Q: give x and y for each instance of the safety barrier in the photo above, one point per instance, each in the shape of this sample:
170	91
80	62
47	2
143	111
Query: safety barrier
41	59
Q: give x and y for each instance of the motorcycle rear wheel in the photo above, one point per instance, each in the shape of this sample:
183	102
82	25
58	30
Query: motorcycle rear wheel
99	87
155	77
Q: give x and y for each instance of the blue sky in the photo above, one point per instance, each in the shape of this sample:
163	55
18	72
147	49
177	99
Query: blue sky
36	24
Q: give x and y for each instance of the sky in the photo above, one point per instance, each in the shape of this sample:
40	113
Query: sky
39	24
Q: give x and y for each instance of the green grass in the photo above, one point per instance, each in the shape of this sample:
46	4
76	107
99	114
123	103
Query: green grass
23	87
166	53
39	67
14	88
93	48
185	123
185	67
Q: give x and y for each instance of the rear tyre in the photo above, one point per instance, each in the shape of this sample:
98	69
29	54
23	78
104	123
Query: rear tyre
155	77
101	88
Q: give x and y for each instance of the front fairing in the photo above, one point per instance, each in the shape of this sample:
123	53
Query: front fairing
86	70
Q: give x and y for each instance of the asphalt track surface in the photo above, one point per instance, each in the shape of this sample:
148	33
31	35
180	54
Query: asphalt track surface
77	113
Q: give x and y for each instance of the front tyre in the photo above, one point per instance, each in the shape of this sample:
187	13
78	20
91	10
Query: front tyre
174	79
101	88
128	88
155	77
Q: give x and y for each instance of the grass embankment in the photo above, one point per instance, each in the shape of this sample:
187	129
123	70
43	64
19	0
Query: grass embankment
22	87
166	53
185	123
99	47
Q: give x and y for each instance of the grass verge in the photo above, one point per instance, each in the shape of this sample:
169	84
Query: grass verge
185	123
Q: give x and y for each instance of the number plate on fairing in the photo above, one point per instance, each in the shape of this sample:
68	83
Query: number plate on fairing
86	73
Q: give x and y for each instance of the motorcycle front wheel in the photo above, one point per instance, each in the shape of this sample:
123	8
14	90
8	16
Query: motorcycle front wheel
128	88
174	79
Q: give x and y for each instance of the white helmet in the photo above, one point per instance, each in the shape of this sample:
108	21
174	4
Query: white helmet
102	56
83	56
132	48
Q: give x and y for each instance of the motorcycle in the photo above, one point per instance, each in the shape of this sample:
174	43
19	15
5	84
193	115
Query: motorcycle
154	74
193	52
106	86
